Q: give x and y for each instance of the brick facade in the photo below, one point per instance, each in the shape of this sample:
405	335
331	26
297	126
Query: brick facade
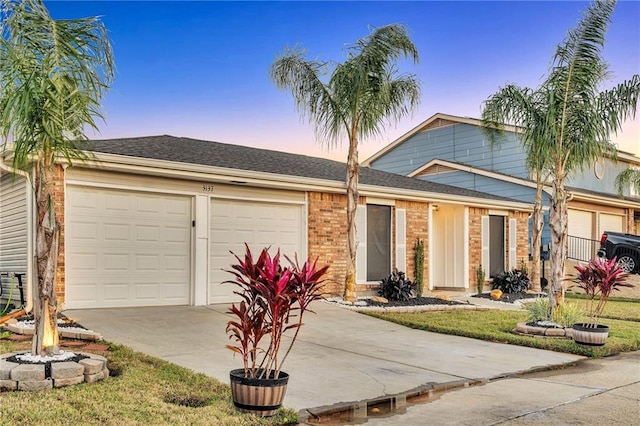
59	203
327	222
328	240
417	225
475	243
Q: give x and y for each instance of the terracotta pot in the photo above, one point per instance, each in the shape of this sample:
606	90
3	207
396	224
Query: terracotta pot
262	397
587	334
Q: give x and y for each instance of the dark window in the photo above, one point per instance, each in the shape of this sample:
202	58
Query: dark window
496	245
378	242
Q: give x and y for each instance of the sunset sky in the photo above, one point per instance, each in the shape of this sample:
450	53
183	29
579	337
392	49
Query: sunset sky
200	69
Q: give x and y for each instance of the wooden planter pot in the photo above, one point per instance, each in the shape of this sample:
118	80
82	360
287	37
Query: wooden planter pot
262	397
587	334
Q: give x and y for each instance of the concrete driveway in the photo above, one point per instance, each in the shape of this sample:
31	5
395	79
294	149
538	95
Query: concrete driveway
341	356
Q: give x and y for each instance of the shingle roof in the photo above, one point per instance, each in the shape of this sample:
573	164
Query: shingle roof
216	154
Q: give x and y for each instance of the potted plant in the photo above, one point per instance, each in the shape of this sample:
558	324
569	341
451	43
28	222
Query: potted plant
598	279
273	301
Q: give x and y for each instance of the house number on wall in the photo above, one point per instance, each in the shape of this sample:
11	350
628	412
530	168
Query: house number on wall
207	188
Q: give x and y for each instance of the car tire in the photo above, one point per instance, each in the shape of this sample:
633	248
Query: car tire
628	263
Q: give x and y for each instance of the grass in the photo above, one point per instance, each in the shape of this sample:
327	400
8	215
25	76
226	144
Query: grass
145	390
497	325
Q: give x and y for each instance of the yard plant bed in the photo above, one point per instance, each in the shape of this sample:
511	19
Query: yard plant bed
497	326
509	297
143	390
414	301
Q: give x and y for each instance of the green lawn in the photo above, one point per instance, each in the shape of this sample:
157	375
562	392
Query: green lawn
497	326
145	391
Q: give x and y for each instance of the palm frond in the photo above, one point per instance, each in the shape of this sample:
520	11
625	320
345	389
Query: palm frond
628	178
53	74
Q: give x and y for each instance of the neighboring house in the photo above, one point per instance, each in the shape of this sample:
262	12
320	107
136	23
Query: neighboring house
454	151
151	221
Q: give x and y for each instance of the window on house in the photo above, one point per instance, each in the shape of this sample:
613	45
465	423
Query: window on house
378	242
496	245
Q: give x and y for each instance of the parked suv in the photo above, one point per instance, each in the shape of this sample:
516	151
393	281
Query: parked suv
624	247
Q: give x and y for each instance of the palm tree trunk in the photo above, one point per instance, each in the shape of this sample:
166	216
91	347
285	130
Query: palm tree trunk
352	205
558	225
537	234
47	243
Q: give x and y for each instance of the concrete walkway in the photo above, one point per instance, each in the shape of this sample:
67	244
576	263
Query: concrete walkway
341	356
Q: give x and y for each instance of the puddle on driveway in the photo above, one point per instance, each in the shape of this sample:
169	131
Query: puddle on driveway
360	412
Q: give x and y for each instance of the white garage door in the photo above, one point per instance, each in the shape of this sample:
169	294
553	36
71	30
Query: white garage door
580	223
126	248
610	222
260	225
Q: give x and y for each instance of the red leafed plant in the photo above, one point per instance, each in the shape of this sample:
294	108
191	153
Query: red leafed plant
598	279
274	299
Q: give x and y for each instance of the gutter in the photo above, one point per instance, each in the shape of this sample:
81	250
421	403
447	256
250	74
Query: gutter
31	271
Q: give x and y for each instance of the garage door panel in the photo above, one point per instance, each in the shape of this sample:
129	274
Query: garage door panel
133	255
611	223
259	224
580	223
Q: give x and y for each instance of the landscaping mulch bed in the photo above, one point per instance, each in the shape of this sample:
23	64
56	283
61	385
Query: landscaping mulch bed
509	297
415	301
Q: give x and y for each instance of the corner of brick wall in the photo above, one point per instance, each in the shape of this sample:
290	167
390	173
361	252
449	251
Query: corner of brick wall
327	237
59	195
416	227
475	242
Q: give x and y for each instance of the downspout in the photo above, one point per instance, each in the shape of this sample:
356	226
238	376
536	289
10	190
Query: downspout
30	243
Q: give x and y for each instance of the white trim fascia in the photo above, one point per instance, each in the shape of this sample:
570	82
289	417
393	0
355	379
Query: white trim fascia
166	168
475	170
576	195
419	127
438	197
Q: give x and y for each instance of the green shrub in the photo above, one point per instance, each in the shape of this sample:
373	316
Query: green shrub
396	287
538	309
514	281
568	314
418	262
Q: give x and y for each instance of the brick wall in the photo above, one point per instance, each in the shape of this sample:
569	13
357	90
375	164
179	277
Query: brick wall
417	225
522	238
475	242
327	236
59	209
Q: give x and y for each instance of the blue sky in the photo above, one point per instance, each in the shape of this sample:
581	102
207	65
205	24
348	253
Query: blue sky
200	69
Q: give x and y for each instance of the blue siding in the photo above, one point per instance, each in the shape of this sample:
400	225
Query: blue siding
587	179
484	184
462	143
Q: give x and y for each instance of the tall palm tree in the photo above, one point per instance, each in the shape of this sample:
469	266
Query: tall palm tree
575	119
526	109
361	96
53	74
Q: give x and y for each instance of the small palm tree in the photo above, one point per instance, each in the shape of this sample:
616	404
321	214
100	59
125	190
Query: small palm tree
53	74
361	95
567	120
628	178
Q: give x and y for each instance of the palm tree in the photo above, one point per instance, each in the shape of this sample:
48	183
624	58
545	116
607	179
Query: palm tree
628	177
53	74
574	119
361	95
526	109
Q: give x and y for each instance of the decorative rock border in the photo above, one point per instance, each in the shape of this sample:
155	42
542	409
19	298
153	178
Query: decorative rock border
67	332
408	309
35	377
532	330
